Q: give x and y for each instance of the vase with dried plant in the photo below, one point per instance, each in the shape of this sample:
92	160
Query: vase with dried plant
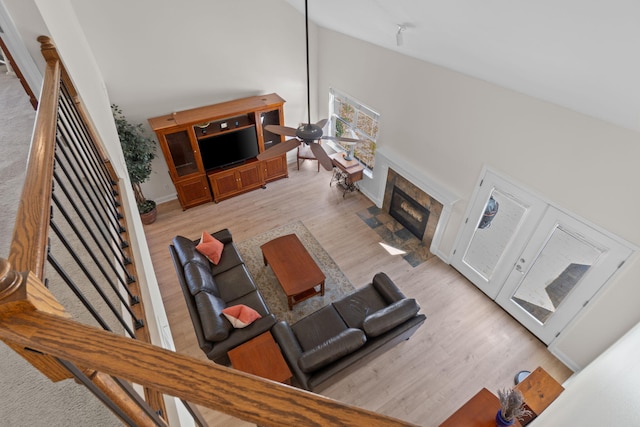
511	407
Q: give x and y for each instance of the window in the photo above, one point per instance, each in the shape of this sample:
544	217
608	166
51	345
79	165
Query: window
349	118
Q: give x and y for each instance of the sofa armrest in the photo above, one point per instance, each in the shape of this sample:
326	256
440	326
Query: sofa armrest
224	236
385	287
389	317
291	351
334	348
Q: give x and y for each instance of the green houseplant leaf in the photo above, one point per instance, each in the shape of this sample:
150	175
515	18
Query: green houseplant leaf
139	151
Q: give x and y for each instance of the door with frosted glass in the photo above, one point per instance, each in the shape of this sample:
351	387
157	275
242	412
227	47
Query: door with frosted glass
499	224
562	267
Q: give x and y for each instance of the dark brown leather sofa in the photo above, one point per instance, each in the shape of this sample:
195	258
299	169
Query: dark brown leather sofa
357	327
209	288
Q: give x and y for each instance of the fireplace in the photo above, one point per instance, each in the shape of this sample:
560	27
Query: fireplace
411	208
423	189
408	212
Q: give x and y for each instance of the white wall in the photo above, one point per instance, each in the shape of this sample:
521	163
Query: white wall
15	45
605	393
159	57
449	125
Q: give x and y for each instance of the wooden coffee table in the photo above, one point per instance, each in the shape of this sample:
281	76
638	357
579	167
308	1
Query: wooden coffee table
261	356
296	271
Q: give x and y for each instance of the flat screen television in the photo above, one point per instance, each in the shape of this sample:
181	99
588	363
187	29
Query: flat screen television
228	148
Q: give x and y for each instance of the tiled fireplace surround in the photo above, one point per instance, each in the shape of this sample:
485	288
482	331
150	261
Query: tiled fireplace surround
436	198
394	179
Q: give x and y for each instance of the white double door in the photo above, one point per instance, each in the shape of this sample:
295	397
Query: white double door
541	264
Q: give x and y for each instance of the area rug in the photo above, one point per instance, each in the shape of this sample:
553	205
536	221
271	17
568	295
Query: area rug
336	284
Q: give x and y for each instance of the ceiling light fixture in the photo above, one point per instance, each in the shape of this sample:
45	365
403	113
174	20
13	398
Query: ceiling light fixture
399	37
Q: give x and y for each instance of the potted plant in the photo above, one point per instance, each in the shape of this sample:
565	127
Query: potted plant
139	151
511	407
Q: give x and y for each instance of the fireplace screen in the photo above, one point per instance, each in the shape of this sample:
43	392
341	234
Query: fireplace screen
408	212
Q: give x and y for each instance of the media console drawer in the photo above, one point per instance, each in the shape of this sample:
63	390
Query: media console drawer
248	176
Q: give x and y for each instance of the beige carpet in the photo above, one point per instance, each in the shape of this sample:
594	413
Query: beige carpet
336	283
16	124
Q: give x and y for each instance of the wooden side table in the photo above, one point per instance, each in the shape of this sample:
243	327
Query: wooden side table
539	389
346	172
479	411
261	356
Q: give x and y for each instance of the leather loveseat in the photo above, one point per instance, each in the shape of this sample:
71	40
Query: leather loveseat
360	325
208	289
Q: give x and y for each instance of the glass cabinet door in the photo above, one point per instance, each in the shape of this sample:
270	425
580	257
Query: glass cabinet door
182	154
270	118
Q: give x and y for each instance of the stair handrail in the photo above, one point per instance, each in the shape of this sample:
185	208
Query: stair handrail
30	317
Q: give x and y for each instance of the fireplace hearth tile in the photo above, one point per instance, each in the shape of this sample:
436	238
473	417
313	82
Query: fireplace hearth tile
395	234
404	234
373	222
374	210
413	259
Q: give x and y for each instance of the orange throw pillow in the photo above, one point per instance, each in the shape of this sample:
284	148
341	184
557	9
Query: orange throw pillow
240	315
210	247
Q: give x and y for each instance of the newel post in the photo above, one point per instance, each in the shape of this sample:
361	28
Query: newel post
24	292
9	280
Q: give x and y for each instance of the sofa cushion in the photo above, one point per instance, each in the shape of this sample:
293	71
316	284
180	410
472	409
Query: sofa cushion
234	283
356	307
240	316
215	326
210	247
223	235
187	252
332	349
253	300
230	258
385	287
198	278
318	327
389	317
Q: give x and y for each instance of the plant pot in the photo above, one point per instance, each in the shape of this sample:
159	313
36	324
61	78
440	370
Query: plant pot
501	422
149	217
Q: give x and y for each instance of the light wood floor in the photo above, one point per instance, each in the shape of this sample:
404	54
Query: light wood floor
468	342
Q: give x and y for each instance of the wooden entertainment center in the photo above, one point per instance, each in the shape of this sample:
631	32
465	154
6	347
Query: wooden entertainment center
196	142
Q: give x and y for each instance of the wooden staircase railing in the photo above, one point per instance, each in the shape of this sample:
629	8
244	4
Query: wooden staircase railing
35	324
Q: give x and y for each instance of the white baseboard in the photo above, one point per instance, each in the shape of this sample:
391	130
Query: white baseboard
167	198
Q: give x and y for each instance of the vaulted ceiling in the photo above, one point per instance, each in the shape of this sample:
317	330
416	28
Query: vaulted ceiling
580	54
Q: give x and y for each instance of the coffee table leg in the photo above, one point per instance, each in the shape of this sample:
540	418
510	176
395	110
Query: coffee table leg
290	301
264	258
322	288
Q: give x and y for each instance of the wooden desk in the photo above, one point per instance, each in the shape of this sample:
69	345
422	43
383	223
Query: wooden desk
539	389
479	411
346	172
261	356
